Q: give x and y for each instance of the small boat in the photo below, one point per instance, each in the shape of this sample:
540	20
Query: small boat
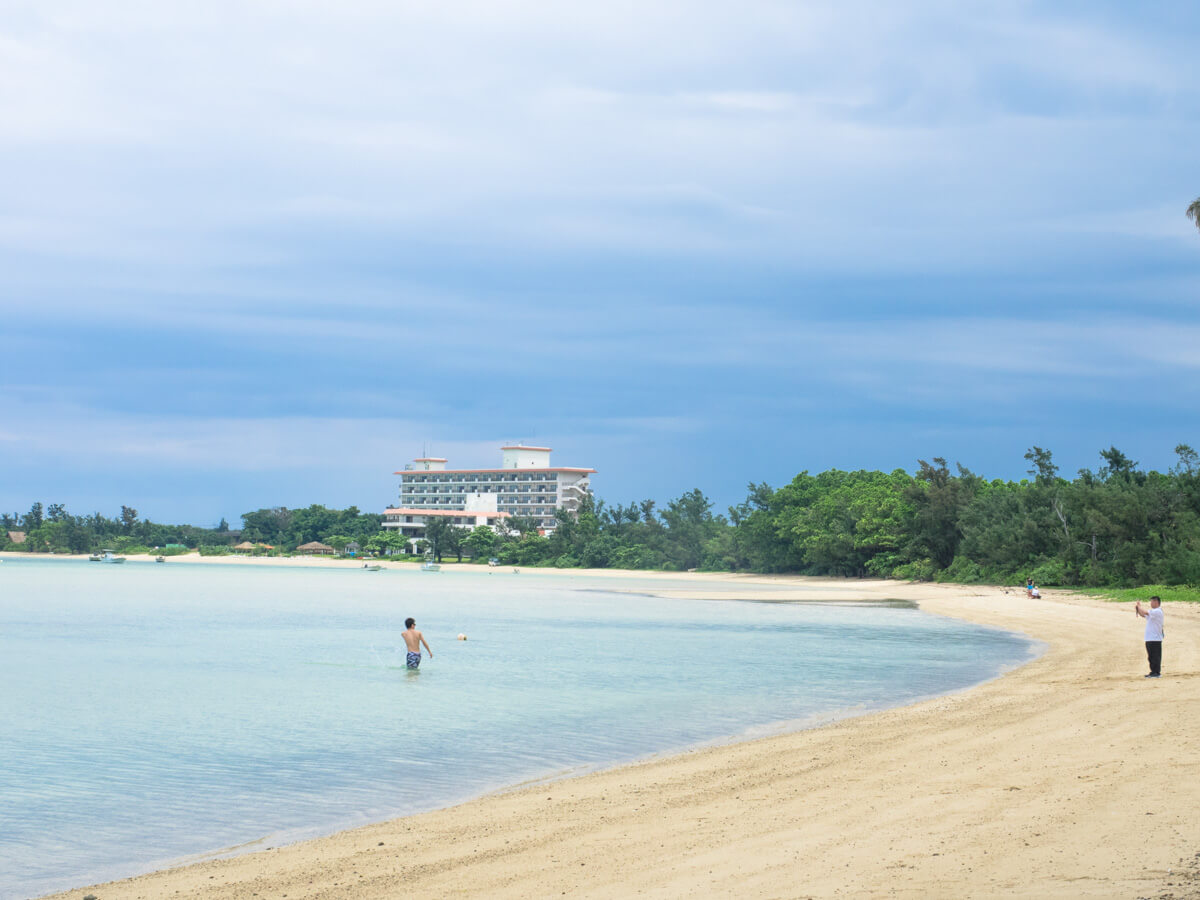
95	557
429	565
160	559
108	556
372	568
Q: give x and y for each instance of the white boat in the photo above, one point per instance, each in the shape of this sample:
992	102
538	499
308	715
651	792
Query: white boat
372	568
108	556
160	559
429	565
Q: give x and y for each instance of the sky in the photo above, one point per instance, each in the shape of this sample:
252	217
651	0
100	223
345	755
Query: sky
259	253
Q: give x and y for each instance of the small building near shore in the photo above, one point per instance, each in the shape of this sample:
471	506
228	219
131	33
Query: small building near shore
248	547
315	548
410	523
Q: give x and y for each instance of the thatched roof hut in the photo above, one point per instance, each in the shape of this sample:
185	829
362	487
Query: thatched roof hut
315	547
17	537
245	545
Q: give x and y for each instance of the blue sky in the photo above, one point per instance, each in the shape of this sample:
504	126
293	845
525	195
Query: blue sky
258	254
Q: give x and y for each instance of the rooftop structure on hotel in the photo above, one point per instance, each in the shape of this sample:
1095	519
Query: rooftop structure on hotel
525	485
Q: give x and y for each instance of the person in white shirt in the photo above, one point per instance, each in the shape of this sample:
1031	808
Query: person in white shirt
1154	634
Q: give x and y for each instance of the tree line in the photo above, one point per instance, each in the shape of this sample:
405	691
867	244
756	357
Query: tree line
52	528
1118	525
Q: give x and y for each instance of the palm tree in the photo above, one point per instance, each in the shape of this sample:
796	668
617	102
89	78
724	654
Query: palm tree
1193	212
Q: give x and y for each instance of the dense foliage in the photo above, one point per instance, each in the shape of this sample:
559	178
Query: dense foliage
1116	526
288	528
52	528
683	535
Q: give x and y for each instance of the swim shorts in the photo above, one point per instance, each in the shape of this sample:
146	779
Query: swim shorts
414	660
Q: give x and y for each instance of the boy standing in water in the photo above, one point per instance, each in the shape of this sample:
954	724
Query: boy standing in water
413	639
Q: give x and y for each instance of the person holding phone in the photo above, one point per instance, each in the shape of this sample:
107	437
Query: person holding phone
1154	634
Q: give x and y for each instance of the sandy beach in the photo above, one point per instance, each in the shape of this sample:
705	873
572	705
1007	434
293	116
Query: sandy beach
1072	776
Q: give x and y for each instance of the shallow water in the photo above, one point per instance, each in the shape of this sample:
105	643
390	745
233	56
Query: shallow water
152	712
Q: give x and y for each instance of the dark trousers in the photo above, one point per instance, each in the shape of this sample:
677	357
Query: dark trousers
1154	654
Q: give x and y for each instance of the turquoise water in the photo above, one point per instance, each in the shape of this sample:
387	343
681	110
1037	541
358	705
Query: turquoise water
152	712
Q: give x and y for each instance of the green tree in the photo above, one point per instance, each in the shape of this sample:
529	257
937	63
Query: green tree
481	542
1193	212
759	543
938	499
1189	460
389	541
452	542
1119	465
32	520
337	541
523	525
1044	470
690	525
437	533
313	523
269	526
844	523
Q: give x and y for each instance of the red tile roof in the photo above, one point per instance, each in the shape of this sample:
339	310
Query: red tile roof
403	511
480	471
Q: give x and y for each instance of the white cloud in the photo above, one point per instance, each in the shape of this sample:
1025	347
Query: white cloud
500	120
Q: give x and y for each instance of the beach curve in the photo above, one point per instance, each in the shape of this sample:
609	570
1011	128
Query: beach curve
1067	777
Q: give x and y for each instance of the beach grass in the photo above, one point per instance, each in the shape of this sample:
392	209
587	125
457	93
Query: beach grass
1168	593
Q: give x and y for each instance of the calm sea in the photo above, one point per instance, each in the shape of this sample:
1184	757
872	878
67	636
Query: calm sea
150	713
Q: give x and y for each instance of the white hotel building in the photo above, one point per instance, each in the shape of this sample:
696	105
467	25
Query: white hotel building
525	485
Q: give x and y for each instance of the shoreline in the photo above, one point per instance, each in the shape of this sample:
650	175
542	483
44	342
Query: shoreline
999	789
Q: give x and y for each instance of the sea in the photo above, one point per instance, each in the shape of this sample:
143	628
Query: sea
152	714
